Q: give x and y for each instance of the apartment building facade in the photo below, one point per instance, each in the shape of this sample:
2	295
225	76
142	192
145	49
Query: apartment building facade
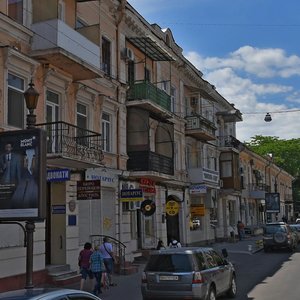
121	105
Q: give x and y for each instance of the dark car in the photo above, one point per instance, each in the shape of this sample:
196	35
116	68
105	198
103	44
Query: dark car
188	273
279	235
47	294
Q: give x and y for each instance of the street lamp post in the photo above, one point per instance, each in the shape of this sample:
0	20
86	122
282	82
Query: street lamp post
31	98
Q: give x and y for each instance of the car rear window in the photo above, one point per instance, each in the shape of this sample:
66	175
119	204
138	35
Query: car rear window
169	263
270	229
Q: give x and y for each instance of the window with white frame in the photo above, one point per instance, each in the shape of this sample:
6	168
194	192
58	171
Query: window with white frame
82	115
52	116
165	85
52	104
15	101
82	123
61	10
106	132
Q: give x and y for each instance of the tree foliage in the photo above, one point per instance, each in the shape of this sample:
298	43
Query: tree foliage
285	153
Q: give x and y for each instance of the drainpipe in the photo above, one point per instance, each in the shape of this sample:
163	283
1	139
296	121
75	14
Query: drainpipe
121	13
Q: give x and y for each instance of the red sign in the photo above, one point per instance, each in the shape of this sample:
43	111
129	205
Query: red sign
147	185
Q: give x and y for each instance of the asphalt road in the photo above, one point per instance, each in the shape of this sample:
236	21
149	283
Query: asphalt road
260	276
265	276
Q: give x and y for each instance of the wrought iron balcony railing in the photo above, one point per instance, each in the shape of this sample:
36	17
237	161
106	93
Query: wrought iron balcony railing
142	90
150	161
200	127
67	140
230	141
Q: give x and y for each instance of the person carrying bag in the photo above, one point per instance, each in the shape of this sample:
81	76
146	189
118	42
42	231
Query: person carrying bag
106	250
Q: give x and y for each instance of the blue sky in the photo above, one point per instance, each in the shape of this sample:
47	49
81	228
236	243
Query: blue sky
248	49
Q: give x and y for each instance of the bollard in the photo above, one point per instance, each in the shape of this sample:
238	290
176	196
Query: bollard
250	248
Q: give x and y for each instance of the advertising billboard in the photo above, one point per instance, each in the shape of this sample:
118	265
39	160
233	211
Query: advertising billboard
272	202
23	175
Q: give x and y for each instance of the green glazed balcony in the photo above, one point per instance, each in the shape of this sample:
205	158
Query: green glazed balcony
144	90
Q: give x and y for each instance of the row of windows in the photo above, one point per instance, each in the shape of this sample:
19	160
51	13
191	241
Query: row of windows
16	109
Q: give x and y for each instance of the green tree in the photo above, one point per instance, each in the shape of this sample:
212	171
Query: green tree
285	154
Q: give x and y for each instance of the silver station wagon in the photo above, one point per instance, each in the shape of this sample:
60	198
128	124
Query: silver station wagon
188	273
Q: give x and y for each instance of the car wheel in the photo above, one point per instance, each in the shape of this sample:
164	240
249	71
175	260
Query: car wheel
211	294
231	293
279	237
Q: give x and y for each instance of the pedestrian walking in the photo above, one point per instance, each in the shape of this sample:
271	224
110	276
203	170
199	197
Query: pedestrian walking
96	262
106	250
84	263
174	243
241	230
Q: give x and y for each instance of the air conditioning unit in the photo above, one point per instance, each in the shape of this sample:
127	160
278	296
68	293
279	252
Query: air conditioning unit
128	54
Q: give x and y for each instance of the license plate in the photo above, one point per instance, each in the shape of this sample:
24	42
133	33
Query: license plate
168	277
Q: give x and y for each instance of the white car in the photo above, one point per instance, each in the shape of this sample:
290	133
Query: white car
47	294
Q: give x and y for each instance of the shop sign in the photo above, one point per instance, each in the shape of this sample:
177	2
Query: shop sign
108	179
58	209
197	210
172	208
132	195
58	175
147	185
210	175
88	189
198	189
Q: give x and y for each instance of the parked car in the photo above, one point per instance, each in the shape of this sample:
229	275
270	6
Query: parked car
296	229
279	235
47	294
188	273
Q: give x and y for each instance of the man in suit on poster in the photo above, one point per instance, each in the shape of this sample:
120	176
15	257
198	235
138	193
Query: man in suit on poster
10	166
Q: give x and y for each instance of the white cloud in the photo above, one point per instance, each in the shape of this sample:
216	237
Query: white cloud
264	63
234	78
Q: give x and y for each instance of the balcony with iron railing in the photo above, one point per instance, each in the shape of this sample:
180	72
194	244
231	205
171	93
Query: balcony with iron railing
72	143
229	141
149	96
150	161
258	190
200	128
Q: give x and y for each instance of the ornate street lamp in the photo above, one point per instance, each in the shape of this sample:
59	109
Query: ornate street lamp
31	98
268	118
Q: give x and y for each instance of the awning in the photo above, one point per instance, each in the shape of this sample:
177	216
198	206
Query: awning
151	48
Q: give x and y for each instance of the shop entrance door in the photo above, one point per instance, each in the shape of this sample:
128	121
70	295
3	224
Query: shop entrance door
56	238
147	231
